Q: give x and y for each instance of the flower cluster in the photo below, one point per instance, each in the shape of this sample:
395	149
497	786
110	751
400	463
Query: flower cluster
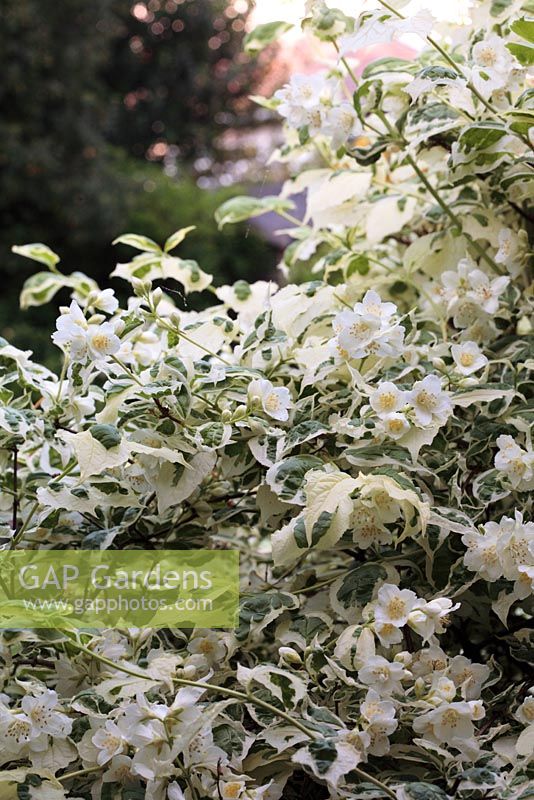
362	435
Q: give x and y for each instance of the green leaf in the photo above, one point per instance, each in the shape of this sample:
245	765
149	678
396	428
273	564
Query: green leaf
241	208
229	738
499	6
41	288
324	754
139	242
438	73
108	435
423	791
286	477
379	66
356	587
37	252
265	34
524	28
304	432
367	154
259	610
429	120
481	136
177	237
523	52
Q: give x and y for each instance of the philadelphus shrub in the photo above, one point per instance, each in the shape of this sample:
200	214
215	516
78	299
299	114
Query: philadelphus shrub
363	439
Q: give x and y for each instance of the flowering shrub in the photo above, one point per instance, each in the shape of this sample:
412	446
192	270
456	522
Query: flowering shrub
363	439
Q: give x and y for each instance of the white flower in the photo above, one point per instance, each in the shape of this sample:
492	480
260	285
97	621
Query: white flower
468	677
113	645
517	464
492	65
145	348
71	330
367	526
356	336
470	293
468	357
380	722
485	292
84	339
174	792
16	730
119	770
387	399
276	402
102	341
368	329
339	122
232	790
41	711
395	425
430	403
301	96
105	301
317	103
109	741
387	633
511	249
515	543
375	709
430	618
450	722
208	644
429	660
525	712
481	556
372	308
442	689
393	605
382	675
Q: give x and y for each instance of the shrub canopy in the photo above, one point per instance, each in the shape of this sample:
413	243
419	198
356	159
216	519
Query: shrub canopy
363	439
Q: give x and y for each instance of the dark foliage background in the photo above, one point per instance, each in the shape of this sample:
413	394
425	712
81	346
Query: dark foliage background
94	97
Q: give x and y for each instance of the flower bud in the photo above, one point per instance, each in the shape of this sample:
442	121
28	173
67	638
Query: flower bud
524	326
240	413
404	657
420	688
289	655
141	288
189	671
157	296
226	416
175	318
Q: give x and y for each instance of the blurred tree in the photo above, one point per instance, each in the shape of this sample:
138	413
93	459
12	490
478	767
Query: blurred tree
83	84
57	183
181	75
56	168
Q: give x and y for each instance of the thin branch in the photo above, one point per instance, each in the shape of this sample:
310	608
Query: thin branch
14	521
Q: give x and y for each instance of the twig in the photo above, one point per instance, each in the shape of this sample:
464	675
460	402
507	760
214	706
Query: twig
14	522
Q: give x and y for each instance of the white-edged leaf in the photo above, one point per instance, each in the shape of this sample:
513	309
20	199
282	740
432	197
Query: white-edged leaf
177	237
37	252
139	242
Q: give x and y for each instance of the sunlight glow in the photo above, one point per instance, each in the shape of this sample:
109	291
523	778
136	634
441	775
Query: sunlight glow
456	11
